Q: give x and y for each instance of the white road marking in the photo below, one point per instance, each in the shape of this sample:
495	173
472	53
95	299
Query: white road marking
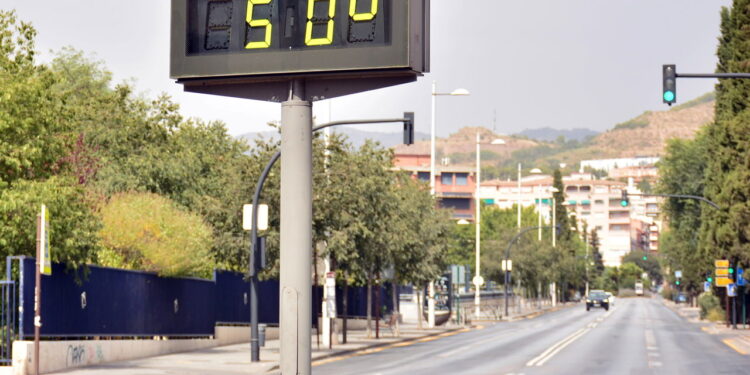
554	349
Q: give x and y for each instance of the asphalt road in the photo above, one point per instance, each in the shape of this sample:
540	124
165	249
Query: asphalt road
637	336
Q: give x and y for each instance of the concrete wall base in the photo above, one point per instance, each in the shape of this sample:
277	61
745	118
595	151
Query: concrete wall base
60	355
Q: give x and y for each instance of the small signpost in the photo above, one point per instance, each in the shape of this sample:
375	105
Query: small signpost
706	286
44	267
678	274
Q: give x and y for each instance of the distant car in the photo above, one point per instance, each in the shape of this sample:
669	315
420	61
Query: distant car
597	299
611	298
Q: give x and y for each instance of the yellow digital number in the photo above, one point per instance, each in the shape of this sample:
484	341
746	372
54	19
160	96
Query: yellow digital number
258	23
328	39
363	16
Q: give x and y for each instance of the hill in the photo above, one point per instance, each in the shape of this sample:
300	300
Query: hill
551	135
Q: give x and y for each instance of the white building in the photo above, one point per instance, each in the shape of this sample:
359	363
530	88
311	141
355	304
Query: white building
595	201
610	164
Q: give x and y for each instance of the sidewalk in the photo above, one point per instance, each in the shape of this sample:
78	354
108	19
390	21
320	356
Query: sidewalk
235	359
737	339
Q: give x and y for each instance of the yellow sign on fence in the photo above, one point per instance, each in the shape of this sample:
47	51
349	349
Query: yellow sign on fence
721	263
722	272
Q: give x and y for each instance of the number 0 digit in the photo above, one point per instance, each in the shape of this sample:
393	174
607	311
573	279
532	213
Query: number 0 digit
363	16
258	23
328	39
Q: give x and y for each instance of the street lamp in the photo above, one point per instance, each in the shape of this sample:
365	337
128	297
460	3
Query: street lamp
477	220
456	92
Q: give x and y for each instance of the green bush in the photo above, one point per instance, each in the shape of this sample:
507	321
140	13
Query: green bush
708	302
669	294
716	315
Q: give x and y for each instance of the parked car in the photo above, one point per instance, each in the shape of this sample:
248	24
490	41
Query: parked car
597	299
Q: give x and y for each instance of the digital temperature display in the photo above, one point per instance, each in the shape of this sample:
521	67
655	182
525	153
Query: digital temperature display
262	25
232	43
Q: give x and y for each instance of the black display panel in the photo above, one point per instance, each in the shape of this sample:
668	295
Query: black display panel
253	48
224	26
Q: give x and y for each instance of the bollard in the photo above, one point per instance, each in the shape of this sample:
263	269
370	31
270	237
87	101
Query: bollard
262	335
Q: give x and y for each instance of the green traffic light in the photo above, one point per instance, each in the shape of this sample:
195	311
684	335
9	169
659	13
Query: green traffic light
645	257
677	282
624	203
731	270
710	279
668	96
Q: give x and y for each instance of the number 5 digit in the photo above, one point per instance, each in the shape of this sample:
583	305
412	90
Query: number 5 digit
363	16
309	40
258	23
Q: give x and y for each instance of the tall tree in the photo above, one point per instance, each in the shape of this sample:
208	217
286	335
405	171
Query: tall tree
727	231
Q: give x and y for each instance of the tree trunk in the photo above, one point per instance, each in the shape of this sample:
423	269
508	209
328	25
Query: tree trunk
377	306
419	307
345	313
395	314
369	306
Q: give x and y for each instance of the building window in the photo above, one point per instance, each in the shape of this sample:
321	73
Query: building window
423	176
456	203
446	178
462	179
598	201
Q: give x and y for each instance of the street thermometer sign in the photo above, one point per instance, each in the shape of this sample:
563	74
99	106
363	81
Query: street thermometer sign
346	46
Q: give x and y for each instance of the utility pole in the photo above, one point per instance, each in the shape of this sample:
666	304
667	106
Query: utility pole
477	222
296	232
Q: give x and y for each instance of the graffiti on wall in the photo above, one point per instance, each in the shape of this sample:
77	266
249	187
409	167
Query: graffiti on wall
83	354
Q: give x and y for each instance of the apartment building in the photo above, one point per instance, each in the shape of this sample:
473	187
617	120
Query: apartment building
597	202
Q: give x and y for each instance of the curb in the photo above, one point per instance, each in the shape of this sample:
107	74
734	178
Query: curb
382	345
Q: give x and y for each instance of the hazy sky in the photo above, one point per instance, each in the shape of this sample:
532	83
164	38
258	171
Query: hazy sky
536	63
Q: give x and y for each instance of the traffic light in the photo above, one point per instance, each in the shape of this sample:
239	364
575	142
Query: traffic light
409	128
731	270
677	282
710	279
645	257
624	200
669	87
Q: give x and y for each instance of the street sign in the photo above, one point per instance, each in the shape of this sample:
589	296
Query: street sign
507	265
219	46
678	274
722	272
732	290
741	277
722	281
247	217
723	263
706	286
478	281
45	260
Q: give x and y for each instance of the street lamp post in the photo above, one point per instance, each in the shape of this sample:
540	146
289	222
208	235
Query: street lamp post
477	221
435	94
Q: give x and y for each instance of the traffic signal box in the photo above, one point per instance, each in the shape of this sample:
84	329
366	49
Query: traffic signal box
669	86
723	273
624	200
409	128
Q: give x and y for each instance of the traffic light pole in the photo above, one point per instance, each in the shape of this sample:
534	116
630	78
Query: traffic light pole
408	121
712	75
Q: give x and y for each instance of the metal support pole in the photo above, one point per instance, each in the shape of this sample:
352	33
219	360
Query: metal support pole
432	141
519	196
477	222
38	292
296	232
